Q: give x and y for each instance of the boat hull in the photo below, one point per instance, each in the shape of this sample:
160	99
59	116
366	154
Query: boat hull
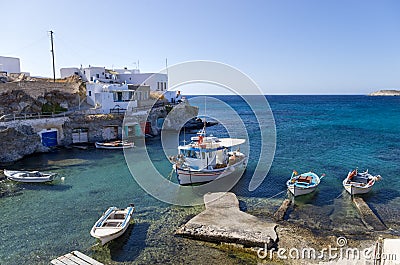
301	188
355	187
189	177
104	232
105	146
354	190
18	177
298	191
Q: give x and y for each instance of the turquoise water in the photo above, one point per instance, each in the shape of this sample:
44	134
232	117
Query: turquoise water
327	134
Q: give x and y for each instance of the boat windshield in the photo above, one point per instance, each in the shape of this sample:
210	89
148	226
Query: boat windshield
190	153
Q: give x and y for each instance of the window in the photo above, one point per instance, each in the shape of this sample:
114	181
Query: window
102	73
158	85
90	93
97	76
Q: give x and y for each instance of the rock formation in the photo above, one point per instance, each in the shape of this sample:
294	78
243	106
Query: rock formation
17	142
390	92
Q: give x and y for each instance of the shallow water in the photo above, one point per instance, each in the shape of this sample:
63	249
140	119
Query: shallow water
327	134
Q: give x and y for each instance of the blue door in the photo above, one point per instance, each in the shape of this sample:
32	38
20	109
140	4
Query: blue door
49	139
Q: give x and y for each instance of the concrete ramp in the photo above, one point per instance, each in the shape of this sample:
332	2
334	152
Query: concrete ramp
222	221
368	217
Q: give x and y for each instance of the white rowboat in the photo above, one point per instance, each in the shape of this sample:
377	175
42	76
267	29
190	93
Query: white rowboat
359	183
114	145
112	224
29	176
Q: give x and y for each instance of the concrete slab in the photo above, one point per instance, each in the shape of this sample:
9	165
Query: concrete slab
390	252
222	221
279	215
370	220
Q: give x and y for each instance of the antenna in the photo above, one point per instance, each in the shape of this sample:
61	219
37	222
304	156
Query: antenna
52	54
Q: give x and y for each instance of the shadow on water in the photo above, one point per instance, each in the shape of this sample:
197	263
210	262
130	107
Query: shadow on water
43	186
129	246
242	206
384	197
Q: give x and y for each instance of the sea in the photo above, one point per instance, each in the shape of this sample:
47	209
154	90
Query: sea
325	134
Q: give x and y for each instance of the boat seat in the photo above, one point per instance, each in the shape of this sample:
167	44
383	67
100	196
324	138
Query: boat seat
304	179
360	179
119	216
112	223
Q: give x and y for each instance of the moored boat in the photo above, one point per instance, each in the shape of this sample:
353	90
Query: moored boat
303	184
29	176
112	224
114	145
207	158
359	183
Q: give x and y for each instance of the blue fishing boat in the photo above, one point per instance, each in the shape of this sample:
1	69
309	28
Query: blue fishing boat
304	183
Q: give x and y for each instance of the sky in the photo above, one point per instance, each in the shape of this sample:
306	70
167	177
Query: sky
285	46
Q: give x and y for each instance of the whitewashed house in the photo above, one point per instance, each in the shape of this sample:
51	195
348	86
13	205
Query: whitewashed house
9	65
111	98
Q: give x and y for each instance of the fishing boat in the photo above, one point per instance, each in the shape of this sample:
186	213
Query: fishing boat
304	183
359	183
114	145
112	224
29	176
207	158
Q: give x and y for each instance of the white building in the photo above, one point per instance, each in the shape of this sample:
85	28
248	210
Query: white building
108	98
156	81
9	65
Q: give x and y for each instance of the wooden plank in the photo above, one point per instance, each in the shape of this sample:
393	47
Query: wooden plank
86	258
75	259
57	262
66	261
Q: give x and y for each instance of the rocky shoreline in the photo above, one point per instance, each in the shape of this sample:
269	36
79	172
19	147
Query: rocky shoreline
390	92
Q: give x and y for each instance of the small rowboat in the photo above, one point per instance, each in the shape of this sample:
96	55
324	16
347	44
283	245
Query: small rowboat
359	183
112	224
304	183
29	176
115	145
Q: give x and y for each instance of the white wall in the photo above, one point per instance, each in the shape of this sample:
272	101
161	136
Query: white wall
65	72
9	64
154	80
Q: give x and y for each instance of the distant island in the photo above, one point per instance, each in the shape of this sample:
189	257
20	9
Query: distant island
389	92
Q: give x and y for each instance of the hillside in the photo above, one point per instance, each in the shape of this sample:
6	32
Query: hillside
34	95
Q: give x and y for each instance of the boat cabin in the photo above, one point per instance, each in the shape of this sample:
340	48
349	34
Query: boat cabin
204	153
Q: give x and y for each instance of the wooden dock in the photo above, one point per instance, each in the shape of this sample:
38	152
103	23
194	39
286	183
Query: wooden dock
75	258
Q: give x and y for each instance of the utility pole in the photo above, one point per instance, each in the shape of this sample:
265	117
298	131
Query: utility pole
52	54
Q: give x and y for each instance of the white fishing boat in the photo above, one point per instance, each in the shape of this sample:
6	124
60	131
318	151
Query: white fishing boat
112	224
304	183
359	183
207	158
115	145
29	176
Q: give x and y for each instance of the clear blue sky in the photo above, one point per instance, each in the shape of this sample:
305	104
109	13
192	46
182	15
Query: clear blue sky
287	47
